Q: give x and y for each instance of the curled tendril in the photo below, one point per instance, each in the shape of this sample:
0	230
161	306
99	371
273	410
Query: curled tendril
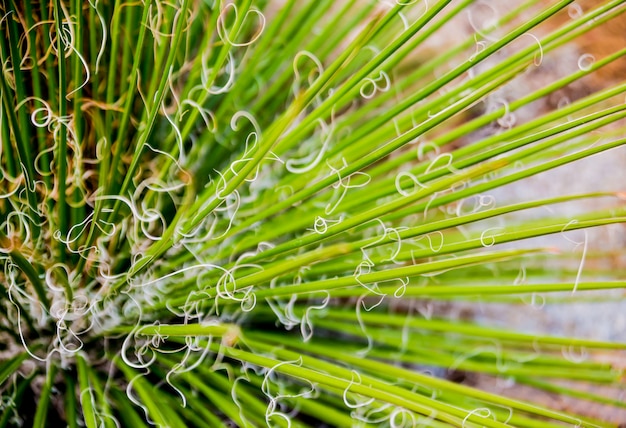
489	23
585	62
355	380
488	237
317	71
482	412
313	159
343	184
373	85
266	388
306	325
226	36
584	244
400	188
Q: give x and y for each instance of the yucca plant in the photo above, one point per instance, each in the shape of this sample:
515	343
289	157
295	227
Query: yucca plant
251	213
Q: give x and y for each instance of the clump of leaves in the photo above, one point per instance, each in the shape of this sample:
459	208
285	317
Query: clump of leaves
217	212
